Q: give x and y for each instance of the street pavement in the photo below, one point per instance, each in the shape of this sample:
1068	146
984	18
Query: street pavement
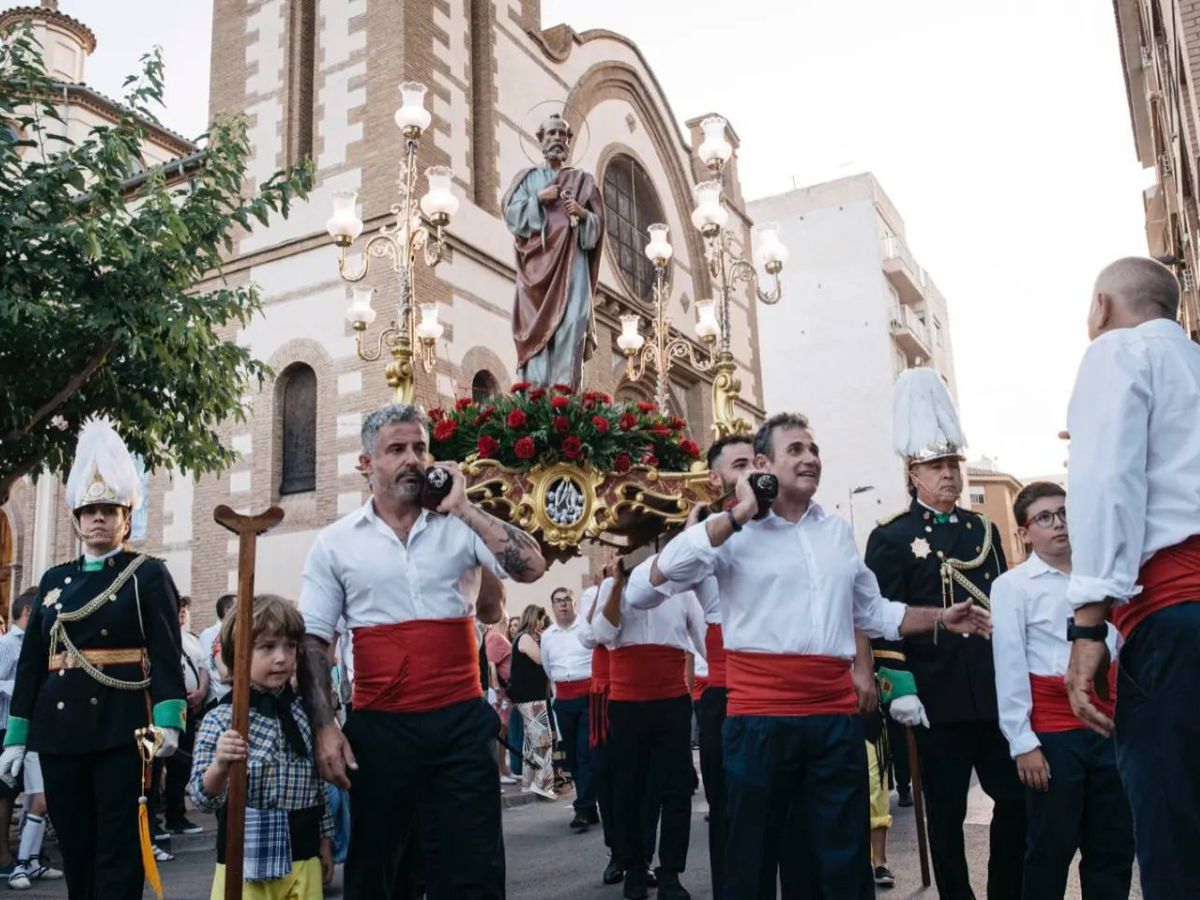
547	861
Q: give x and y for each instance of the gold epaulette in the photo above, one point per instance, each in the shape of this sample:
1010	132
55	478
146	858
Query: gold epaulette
888	520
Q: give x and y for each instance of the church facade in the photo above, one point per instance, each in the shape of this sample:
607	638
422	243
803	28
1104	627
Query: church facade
319	79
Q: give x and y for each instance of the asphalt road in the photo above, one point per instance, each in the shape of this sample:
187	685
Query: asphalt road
547	861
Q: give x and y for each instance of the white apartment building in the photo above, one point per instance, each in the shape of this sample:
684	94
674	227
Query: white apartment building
857	310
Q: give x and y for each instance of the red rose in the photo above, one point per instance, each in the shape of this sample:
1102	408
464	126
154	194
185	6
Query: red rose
559	402
436	414
622	462
650	459
691	448
628	422
488	447
537	393
660	430
484	414
563	389
520	386
524	448
462	403
572	447
561	424
677	423
516	419
647	407
444	430
597	397
600	423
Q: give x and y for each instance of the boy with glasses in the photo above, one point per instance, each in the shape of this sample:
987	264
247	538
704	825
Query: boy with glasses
1074	798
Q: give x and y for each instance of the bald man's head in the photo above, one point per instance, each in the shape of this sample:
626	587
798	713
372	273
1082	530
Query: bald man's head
1131	291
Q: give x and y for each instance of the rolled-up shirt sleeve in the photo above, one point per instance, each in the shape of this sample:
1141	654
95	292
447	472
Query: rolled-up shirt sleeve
1013	694
1108	419
691	557
604	631
641	594
874	615
322	596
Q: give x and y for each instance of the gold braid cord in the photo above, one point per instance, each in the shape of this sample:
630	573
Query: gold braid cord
952	571
58	631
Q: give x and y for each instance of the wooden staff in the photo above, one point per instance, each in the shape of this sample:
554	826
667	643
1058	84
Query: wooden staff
247	528
914	765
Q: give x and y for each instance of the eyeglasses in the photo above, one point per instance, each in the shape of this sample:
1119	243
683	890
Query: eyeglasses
1046	519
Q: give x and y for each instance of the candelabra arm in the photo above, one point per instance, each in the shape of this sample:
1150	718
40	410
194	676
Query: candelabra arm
380	245
636	363
364	350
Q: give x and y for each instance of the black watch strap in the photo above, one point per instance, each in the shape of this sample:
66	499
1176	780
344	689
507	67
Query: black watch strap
1086	632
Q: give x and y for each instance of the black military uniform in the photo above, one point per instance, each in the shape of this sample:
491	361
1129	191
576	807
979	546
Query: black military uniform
923	558
84	685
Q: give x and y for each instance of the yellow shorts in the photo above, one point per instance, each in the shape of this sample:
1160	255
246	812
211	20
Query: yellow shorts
303	883
881	801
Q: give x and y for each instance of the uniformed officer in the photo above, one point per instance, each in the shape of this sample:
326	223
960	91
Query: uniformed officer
934	554
100	660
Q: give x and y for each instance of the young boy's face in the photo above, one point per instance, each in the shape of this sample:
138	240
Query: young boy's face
274	661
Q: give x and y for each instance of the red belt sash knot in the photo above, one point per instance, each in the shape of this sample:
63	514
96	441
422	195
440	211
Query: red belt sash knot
1052	708
714	652
699	685
598	701
600	669
572	690
1170	577
789	684
416	666
644	672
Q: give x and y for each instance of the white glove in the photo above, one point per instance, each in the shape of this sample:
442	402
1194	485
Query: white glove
11	761
170	743
909	710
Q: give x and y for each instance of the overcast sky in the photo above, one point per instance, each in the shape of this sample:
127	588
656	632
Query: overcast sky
1000	130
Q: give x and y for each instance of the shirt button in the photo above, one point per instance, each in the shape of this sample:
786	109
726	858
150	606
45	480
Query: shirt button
93	701
58	606
111	563
941	555
929	528
61	704
104	632
62	673
67	580
987	576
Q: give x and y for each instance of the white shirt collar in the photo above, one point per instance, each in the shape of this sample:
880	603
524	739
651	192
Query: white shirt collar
1036	566
815	511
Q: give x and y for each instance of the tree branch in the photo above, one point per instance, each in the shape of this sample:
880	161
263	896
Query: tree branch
74	383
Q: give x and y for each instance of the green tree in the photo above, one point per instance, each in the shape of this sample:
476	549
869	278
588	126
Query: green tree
99	313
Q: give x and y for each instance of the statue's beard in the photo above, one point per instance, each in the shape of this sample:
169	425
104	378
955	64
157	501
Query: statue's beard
556	152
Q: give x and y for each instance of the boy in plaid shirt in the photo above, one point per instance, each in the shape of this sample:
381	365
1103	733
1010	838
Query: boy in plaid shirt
288	847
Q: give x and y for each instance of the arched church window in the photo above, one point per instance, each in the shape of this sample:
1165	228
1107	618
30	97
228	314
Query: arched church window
484	385
630	205
299	464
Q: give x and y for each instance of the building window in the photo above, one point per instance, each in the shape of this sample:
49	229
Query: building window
299	469
630	205
484	385
978	497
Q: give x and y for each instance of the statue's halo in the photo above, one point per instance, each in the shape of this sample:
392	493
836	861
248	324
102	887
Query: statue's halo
579	144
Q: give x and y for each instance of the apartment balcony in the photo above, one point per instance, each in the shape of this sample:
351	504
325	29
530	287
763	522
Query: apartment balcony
902	270
912	336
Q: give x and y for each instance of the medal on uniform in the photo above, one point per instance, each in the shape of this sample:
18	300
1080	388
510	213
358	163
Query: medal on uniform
920	548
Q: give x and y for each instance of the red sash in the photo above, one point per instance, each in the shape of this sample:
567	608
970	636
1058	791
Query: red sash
789	684
699	685
1052	709
714	650
1170	577
644	672
600	666
572	690
416	666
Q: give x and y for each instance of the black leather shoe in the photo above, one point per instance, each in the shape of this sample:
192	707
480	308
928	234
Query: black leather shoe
593	817
669	887
614	873
651	876
636	887
905	795
580	823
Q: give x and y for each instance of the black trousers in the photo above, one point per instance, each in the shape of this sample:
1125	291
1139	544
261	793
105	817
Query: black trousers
1158	747
796	786
179	770
1085	809
948	753
710	713
443	764
649	745
572	716
93	800
602	779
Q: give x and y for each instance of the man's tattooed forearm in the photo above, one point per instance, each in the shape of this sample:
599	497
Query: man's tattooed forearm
316	682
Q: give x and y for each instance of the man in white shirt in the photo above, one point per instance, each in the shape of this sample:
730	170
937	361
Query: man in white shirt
1074	800
407	583
1134	515
568	665
793	590
217	686
650	724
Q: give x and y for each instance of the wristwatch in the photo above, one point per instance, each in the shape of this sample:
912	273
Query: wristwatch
1086	632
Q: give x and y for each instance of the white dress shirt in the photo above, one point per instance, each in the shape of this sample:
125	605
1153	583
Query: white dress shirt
564	657
677	621
644	595
796	588
358	569
1134	474
1029	637
587	602
10	652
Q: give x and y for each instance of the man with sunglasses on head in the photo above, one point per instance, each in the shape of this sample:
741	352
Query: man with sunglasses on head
1074	799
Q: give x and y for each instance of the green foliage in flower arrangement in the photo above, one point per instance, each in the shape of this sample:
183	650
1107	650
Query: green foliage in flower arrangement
536	425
